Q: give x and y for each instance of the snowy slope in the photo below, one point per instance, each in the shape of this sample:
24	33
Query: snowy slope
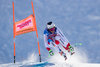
56	61
49	64
79	58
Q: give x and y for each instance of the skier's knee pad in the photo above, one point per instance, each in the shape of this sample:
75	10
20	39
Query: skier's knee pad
57	42
68	45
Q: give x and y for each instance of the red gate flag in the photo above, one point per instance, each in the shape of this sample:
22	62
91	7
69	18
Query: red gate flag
26	25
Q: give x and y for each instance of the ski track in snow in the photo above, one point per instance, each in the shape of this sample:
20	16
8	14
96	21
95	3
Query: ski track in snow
77	60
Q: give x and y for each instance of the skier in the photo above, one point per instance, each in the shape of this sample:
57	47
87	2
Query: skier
53	37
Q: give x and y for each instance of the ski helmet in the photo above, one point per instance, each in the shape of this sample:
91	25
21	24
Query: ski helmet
50	25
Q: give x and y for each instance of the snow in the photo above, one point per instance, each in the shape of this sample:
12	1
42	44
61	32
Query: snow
50	64
77	60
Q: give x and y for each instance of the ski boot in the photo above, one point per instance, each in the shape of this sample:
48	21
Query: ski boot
71	50
72	53
51	53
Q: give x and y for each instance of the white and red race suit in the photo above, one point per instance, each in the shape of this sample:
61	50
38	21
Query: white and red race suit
54	39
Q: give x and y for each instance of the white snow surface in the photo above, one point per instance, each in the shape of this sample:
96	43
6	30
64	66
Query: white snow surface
77	60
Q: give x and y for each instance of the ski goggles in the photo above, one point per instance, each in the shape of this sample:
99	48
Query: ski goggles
52	29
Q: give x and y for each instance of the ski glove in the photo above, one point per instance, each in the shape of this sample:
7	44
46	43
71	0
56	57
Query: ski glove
49	40
51	53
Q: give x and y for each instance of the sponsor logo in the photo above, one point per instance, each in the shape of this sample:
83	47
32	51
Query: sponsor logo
26	23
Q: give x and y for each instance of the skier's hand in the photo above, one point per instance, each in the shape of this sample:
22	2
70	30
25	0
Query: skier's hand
49	40
51	53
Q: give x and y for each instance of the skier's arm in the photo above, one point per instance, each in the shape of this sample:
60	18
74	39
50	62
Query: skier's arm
47	47
46	42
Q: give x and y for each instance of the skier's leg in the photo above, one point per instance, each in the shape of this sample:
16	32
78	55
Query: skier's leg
61	41
60	51
50	45
57	45
70	49
65	43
